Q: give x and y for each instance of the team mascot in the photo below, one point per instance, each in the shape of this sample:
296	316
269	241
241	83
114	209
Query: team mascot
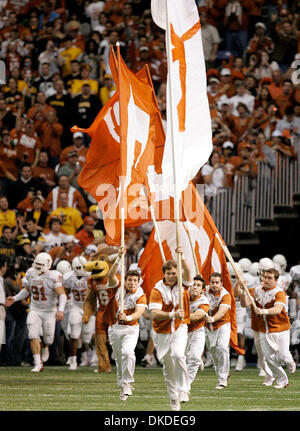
98	295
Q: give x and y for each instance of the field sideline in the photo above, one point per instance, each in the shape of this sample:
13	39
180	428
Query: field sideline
58	389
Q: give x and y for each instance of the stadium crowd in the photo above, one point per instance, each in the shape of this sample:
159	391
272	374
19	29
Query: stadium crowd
57	75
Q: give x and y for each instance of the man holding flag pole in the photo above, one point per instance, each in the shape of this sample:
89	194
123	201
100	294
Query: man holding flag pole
187	108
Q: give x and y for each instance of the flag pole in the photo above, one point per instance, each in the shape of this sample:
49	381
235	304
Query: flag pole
238	276
157	234
192	248
176	200
122	208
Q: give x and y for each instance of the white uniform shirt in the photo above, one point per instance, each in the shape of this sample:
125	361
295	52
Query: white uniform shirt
2	291
77	286
50	240
42	289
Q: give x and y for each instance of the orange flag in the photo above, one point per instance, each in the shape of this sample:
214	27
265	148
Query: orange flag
126	129
206	250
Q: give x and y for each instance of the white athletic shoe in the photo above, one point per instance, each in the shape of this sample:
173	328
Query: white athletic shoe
45	354
201	366
222	383
208	363
73	366
84	360
94	359
184	397
175	405
268	381
241	363
291	367
280	385
127	389
262	373
38	368
233	362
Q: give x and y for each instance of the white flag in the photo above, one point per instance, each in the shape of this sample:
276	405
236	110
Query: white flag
188	115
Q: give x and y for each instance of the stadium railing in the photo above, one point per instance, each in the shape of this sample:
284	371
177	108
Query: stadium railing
236	210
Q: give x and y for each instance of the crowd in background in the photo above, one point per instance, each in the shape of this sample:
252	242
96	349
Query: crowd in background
57	75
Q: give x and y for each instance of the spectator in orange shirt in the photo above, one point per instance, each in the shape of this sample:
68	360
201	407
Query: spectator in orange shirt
86	235
75	199
40	106
241	164
275	87
28	144
213	93
50	132
260	42
241	123
77	146
227	88
286	97
43	170
8	153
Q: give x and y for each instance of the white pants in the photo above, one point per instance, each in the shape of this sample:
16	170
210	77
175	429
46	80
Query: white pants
123	340
194	351
260	357
65	324
218	345
275	349
241	320
170	350
2	325
78	329
41	322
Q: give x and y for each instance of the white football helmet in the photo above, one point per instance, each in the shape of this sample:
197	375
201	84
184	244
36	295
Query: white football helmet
281	261
254	269
42	263
278	268
231	270
63	266
265	263
245	264
78	265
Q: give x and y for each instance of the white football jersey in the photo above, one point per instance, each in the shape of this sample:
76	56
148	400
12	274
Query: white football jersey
251	280
284	281
77	286
295	272
50	240
42	288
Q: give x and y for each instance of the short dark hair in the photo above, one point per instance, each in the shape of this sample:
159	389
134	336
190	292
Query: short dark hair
53	220
26	164
200	278
5	227
272	271
216	274
3	260
168	265
132	273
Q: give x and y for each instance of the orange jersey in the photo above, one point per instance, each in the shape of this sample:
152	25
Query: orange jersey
268	299
215	301
131	300
199	303
165	298
102	291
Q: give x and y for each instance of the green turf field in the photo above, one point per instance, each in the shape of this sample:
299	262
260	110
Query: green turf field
58	389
